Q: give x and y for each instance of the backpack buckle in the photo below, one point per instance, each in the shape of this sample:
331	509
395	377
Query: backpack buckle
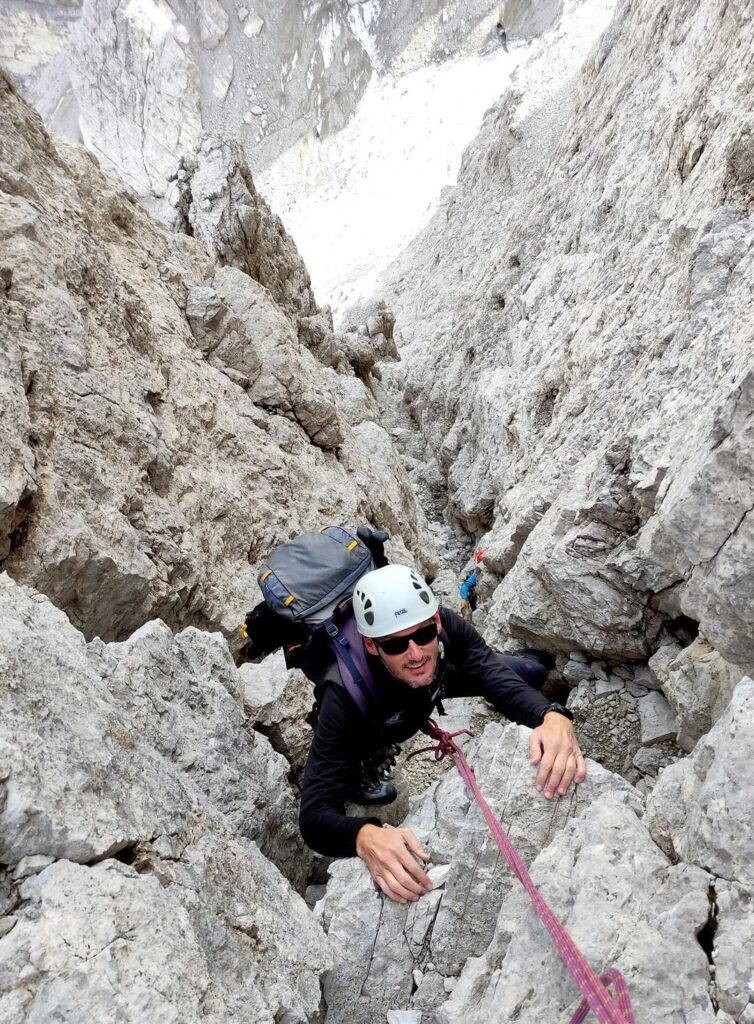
333	632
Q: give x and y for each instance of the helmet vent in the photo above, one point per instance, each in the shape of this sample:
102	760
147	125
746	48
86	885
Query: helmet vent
392	597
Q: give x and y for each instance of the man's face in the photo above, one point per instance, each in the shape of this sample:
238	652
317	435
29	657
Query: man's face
416	666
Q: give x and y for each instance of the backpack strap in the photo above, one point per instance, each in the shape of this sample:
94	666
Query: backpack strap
353	665
442	665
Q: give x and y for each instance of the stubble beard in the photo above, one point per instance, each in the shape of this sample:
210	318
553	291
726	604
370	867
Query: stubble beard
405	675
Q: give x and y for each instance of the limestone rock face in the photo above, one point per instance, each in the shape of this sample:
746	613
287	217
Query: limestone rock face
30	38
17	478
252	341
474	949
703	536
575	332
190	941
698	683
148	75
699	808
522	19
137	708
277	702
169	425
218	199
652	941
134	803
700	811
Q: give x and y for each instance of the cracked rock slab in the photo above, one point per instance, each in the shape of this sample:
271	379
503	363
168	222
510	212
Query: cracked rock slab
656	717
733	951
105	940
698	683
378	944
139	887
700	812
622	903
700	809
157	718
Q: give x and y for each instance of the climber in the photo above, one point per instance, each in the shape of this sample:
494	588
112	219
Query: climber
502	35
433	656
467	590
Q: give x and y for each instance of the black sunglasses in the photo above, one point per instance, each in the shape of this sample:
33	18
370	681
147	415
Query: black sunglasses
399	644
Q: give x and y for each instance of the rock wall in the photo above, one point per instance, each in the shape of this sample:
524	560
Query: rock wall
171	420
661	891
578	348
146	79
698	813
135	808
523	20
32	34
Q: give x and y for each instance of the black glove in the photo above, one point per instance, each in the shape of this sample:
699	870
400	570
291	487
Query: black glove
375	541
264	632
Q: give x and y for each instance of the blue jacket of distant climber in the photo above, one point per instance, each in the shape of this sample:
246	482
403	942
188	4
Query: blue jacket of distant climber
468	585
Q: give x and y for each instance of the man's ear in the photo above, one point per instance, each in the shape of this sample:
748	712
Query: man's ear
370	645
438	621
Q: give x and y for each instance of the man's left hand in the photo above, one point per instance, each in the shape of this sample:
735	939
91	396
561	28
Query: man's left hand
554	747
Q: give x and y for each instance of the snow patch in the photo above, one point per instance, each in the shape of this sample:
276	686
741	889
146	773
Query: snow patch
360	20
353	201
328	34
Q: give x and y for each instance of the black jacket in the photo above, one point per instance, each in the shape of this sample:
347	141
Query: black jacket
343	736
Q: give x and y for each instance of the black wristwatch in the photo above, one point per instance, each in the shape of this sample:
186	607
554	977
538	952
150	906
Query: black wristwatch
561	710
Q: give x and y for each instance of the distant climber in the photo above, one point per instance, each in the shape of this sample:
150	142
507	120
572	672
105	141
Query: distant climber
433	656
502	35
467	589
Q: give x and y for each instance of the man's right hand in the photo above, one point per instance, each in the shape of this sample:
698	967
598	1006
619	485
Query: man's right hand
388	854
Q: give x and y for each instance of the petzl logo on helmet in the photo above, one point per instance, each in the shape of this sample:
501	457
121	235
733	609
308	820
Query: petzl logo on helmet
401	611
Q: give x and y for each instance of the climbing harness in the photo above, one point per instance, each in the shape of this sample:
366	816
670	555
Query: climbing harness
593	987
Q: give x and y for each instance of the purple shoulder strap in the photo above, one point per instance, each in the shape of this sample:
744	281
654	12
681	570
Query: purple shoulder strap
353	665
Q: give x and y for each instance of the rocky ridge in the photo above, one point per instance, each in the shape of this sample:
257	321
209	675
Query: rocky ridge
175	416
577	347
159	385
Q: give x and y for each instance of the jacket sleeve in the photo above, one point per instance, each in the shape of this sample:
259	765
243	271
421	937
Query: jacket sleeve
479	671
331	766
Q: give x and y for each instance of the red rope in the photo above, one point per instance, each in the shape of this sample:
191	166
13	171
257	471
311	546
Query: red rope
593	987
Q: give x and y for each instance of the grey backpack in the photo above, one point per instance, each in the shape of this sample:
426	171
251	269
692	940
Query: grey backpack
308	585
310	577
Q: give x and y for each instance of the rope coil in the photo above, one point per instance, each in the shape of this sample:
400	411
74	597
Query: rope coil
593	987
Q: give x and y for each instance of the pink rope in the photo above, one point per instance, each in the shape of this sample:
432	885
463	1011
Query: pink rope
593	987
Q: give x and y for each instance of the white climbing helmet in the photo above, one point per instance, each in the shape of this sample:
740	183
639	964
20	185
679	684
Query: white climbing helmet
390	599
